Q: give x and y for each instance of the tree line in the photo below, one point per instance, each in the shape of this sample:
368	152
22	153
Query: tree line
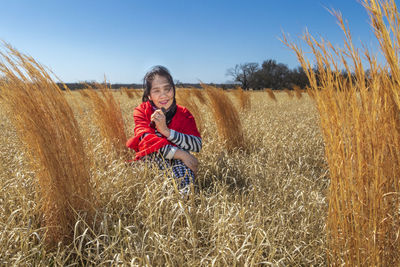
269	75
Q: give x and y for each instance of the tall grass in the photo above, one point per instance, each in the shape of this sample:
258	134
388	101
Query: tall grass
271	94
361	127
297	91
108	117
48	130
227	118
264	207
185	98
309	92
138	93
128	92
199	95
243	98
289	93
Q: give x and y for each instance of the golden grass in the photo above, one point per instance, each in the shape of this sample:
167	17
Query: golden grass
138	93
271	94
184	97
243	98
83	92
288	92
47	128
361	128
108	117
199	93
297	91
309	92
226	117
265	207
128	92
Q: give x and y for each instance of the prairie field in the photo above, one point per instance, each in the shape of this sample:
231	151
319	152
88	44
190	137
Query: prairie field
264	203
287	178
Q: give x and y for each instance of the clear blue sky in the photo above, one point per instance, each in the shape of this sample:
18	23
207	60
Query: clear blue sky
196	40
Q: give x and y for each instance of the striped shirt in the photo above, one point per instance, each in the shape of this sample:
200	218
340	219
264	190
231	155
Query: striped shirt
183	141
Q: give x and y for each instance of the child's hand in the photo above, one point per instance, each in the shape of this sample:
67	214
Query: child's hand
161	124
188	159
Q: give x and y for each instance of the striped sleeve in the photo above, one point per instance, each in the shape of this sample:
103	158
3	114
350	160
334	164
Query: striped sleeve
185	141
167	152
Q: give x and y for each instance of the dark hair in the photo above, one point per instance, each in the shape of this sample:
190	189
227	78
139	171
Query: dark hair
149	77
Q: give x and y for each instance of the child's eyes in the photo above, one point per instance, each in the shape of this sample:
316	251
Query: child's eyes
158	91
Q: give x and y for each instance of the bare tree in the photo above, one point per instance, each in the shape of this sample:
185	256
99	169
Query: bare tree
243	73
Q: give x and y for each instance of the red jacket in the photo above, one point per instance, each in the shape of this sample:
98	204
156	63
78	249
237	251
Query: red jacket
182	122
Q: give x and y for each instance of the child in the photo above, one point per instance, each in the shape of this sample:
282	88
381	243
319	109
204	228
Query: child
164	131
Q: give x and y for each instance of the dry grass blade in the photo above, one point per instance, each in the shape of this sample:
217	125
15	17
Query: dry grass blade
47	127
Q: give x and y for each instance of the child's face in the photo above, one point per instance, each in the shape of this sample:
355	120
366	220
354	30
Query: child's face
161	92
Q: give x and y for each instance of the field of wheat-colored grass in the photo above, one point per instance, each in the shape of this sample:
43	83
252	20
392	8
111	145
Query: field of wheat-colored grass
266	204
283	180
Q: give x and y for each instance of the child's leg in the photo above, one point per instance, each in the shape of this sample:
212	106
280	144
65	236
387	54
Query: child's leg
184	175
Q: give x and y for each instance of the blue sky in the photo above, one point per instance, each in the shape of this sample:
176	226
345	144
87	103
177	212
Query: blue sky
196	40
